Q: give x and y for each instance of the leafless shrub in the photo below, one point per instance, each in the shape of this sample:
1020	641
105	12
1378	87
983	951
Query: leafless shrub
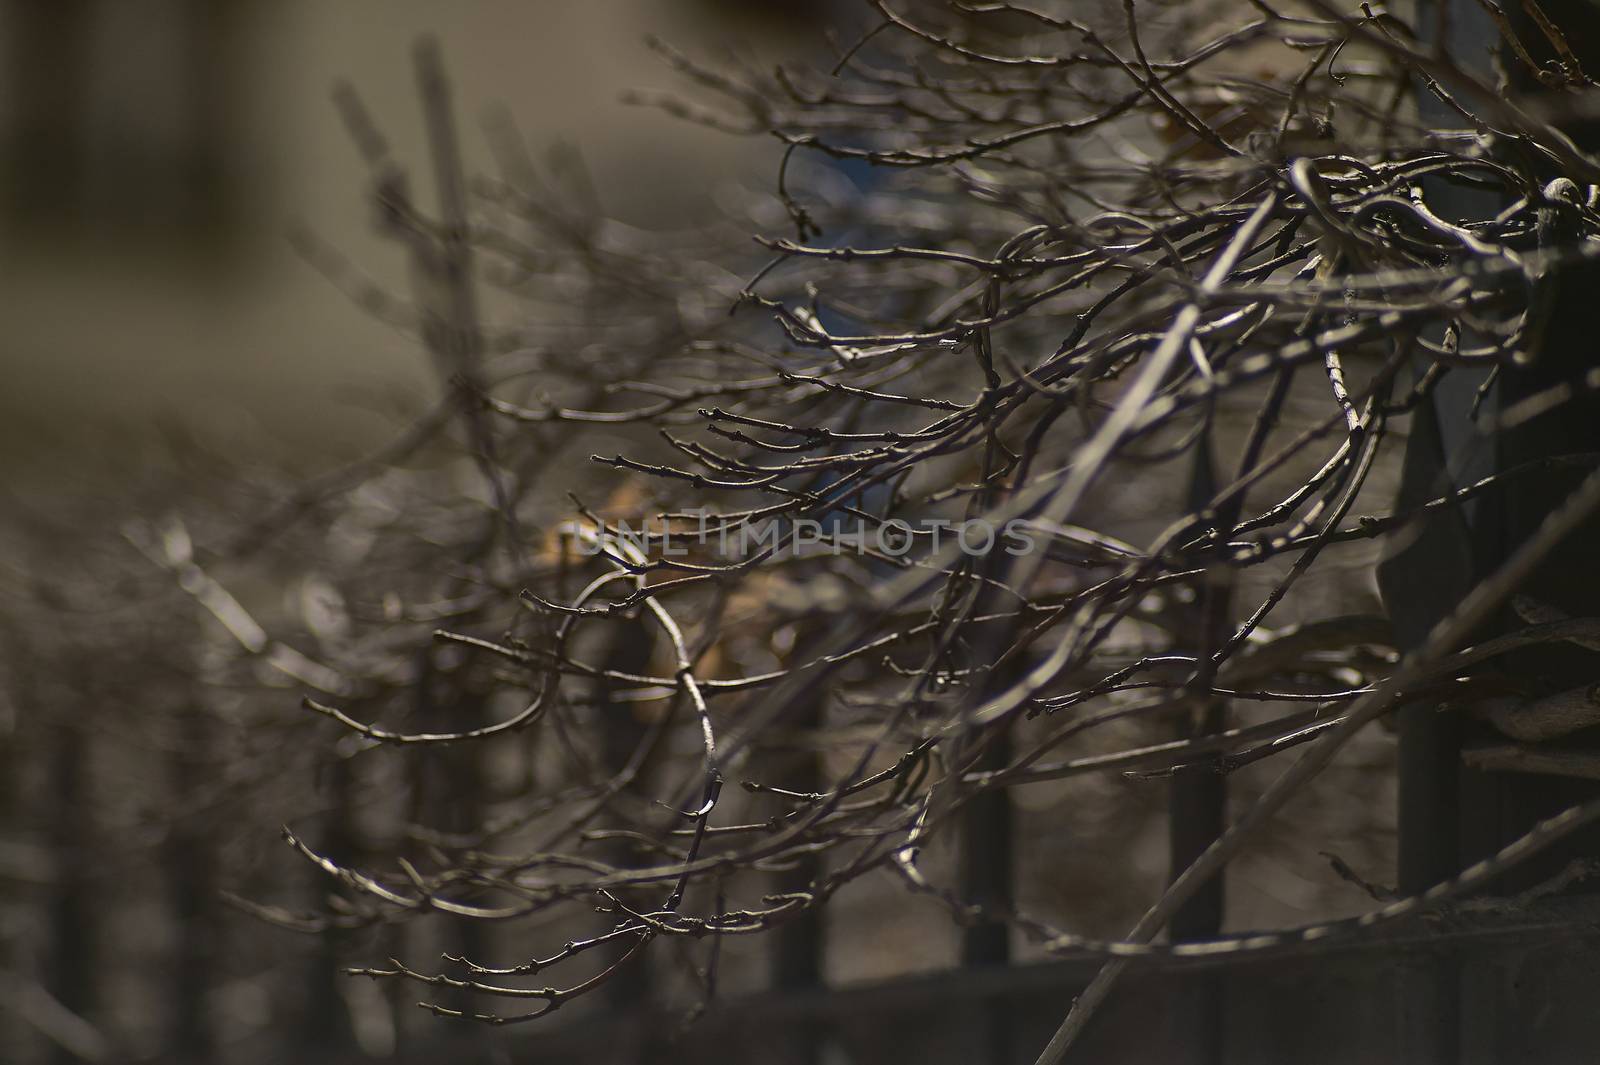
1018	266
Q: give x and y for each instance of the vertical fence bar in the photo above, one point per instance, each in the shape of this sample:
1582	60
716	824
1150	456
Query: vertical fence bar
1199	793
74	964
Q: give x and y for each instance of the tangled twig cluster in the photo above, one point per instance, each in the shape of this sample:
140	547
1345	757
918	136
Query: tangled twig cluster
1016	263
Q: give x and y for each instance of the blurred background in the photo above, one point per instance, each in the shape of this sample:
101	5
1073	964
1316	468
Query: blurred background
155	153
156	159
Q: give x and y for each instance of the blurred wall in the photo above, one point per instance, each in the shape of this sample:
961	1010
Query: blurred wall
154	153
